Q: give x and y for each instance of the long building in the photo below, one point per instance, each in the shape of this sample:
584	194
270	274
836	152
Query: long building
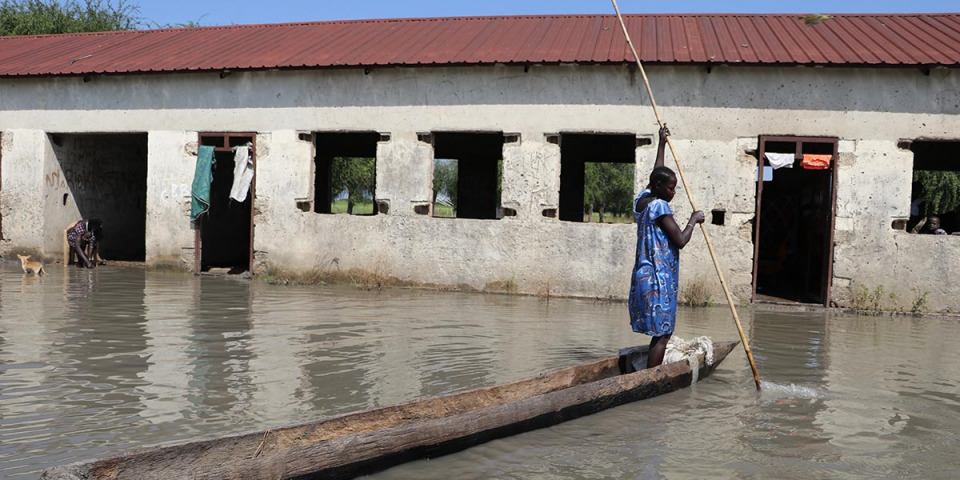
849	109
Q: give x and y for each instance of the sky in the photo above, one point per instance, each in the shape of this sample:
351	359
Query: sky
239	12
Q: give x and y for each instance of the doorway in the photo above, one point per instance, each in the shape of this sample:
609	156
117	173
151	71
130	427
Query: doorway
793	227
98	175
224	235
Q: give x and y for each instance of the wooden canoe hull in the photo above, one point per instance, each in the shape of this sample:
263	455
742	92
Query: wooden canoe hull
349	445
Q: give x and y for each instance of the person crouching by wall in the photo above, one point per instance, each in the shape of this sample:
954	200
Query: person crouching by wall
83	240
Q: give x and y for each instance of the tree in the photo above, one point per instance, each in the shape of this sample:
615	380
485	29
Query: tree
37	17
941	190
445	180
355	176
607	187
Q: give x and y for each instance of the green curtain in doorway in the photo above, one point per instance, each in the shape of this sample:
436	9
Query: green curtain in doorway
202	178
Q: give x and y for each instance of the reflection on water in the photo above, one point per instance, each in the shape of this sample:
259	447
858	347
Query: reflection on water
96	362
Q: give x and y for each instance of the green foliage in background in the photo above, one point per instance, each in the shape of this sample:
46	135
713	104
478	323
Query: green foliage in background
445	181
357	177
359	208
607	187
37	17
446	174
941	189
41	17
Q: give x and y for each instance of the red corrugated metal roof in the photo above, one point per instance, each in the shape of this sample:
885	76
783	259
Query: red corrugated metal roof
773	39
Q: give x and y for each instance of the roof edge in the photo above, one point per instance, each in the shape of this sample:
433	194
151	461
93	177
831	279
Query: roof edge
476	18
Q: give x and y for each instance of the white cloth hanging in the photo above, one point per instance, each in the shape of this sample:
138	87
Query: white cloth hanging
779	160
242	173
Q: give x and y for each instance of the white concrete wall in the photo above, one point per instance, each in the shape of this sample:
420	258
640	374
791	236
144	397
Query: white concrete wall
25	157
531	175
171	161
714	117
282	179
404	173
61	208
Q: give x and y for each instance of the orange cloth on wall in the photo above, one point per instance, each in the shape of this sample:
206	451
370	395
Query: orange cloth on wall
816	161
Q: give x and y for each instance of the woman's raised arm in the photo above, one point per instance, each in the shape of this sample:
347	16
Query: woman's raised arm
664	133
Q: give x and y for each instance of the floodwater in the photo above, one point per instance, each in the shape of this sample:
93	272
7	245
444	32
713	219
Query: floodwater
96	362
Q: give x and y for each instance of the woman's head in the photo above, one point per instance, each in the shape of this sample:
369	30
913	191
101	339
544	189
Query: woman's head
663	183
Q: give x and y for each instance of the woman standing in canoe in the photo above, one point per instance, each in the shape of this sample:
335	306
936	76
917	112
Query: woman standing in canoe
653	285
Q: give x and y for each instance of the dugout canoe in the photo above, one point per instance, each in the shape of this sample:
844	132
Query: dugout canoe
345	446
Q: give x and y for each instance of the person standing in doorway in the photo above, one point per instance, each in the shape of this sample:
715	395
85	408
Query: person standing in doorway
655	280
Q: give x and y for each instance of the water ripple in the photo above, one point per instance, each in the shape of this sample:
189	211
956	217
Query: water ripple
96	362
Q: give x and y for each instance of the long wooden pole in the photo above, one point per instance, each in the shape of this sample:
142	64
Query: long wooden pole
703	228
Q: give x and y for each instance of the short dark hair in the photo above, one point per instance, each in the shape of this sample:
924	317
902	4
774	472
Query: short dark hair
660	175
96	227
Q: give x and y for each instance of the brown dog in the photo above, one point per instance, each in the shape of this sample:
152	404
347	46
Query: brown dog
28	266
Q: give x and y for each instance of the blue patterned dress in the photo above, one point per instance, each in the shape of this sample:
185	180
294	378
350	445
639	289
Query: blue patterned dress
653	285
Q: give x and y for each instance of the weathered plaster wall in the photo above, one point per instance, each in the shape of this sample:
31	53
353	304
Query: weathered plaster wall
22	195
874	190
406	180
531	175
171	161
282	179
715	118
60	207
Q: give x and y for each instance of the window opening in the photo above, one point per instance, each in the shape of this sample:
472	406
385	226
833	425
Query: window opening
467	173
718	217
346	173
793	237
935	191
597	177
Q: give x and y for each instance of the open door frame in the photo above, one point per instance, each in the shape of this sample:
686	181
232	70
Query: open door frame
224	142
828	257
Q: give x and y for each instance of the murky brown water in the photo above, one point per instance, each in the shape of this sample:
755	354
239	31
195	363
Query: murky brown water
95	362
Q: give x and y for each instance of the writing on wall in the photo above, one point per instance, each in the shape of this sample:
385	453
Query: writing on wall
175	191
82	181
56	180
